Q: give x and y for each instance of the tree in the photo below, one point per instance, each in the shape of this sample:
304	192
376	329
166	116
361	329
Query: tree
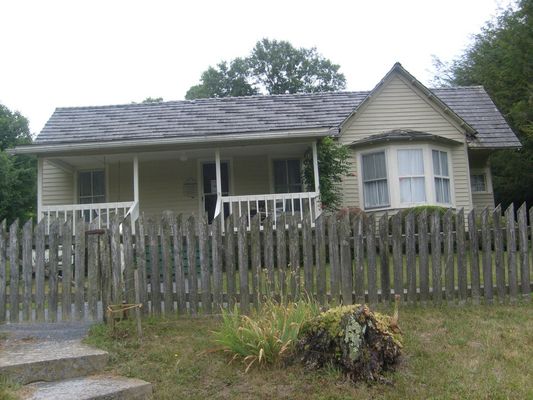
273	67
333	165
500	58
17	173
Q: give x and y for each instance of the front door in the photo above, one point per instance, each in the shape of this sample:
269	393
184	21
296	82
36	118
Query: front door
209	179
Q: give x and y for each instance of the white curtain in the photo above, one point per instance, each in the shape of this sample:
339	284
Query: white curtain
376	191
442	177
411	173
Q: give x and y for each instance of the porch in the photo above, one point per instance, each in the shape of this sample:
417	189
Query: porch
264	179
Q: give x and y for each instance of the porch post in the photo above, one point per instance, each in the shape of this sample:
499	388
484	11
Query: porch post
219	182
136	180
315	167
40	163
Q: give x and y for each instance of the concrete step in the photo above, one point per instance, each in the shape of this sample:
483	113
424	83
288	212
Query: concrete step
96	387
26	361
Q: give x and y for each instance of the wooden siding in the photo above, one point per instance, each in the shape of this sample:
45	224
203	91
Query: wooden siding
120	185
398	105
58	185
251	175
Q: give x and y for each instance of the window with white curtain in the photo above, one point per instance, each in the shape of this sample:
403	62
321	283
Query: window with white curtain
442	177
375	186
411	175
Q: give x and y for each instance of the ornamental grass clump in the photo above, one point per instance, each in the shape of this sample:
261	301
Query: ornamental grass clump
267	336
361	343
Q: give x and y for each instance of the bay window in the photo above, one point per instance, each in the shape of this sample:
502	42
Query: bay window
411	175
375	186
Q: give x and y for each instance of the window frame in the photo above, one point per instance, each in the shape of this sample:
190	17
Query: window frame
362	182
273	172
485	173
424	176
435	176
92	196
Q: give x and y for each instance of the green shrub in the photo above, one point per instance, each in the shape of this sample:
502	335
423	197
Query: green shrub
267	336
418	210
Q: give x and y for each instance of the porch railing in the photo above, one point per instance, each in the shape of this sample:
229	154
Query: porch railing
89	212
271	205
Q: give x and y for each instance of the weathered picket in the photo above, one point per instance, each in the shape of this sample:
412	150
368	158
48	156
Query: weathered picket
183	265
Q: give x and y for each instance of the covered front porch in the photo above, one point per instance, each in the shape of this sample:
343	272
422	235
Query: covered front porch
251	179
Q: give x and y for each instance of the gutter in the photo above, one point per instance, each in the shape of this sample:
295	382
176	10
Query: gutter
136	143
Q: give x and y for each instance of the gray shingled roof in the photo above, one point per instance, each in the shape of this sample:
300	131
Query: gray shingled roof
251	114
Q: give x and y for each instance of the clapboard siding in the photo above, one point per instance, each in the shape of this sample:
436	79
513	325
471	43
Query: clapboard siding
58	185
251	175
120	185
397	105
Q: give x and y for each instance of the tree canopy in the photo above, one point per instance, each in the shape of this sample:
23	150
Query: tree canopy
272	67
17	173
500	58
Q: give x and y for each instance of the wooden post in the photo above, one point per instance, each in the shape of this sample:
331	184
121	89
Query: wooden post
281	247
461	255
474	257
79	269
177	234
511	253
168	284
410	250
216	247
315	167
140	252
423	258
487	255
436	257
106	274
320	249
14	271
255	247
66	281
346	274
155	272
39	271
334	262
307	249
498	253
242	240
397	257
127	241
383	243
92	269
449	267
116	261
523	248
27	247
358	250
205	278
371	260
294	256
137	288
229	245
268	234
53	258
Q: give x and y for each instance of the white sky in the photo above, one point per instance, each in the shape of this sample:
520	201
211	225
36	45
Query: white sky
78	53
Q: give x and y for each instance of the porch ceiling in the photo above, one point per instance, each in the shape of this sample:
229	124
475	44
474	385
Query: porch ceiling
92	161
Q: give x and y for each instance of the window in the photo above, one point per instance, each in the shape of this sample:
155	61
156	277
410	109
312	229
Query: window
478	182
442	177
411	175
287	176
375	187
91	187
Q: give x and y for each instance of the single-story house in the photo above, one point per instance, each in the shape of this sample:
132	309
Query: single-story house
409	146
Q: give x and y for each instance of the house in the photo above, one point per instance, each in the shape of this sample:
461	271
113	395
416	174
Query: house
410	146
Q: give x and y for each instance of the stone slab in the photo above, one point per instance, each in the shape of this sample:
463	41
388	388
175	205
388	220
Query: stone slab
97	387
26	361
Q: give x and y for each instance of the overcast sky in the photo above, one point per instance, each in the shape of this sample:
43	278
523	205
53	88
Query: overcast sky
78	53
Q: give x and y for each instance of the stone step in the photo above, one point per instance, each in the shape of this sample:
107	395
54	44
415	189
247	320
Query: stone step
96	387
26	361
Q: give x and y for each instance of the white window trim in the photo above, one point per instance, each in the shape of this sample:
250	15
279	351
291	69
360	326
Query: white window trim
393	179
488	179
449	177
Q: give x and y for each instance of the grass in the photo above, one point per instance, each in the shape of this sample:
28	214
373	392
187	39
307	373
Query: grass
450	353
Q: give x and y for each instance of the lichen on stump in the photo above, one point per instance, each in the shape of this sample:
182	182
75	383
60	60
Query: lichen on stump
362	343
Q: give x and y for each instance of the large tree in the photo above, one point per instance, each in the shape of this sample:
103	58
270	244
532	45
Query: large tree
272	67
17	173
500	58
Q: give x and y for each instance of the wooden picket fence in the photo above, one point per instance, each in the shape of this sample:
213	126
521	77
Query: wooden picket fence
182	265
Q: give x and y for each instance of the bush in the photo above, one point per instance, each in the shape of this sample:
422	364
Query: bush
361	343
266	337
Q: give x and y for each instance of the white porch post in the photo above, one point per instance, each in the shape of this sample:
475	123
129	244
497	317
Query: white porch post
315	167
136	179
40	164
219	182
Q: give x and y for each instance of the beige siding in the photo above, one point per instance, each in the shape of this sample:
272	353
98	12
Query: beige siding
251	175
479	163
120	182
397	105
58	185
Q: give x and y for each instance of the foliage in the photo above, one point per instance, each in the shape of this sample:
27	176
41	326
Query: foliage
267	336
152	100
500	58
272	67
333	165
17	173
419	209
360	342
